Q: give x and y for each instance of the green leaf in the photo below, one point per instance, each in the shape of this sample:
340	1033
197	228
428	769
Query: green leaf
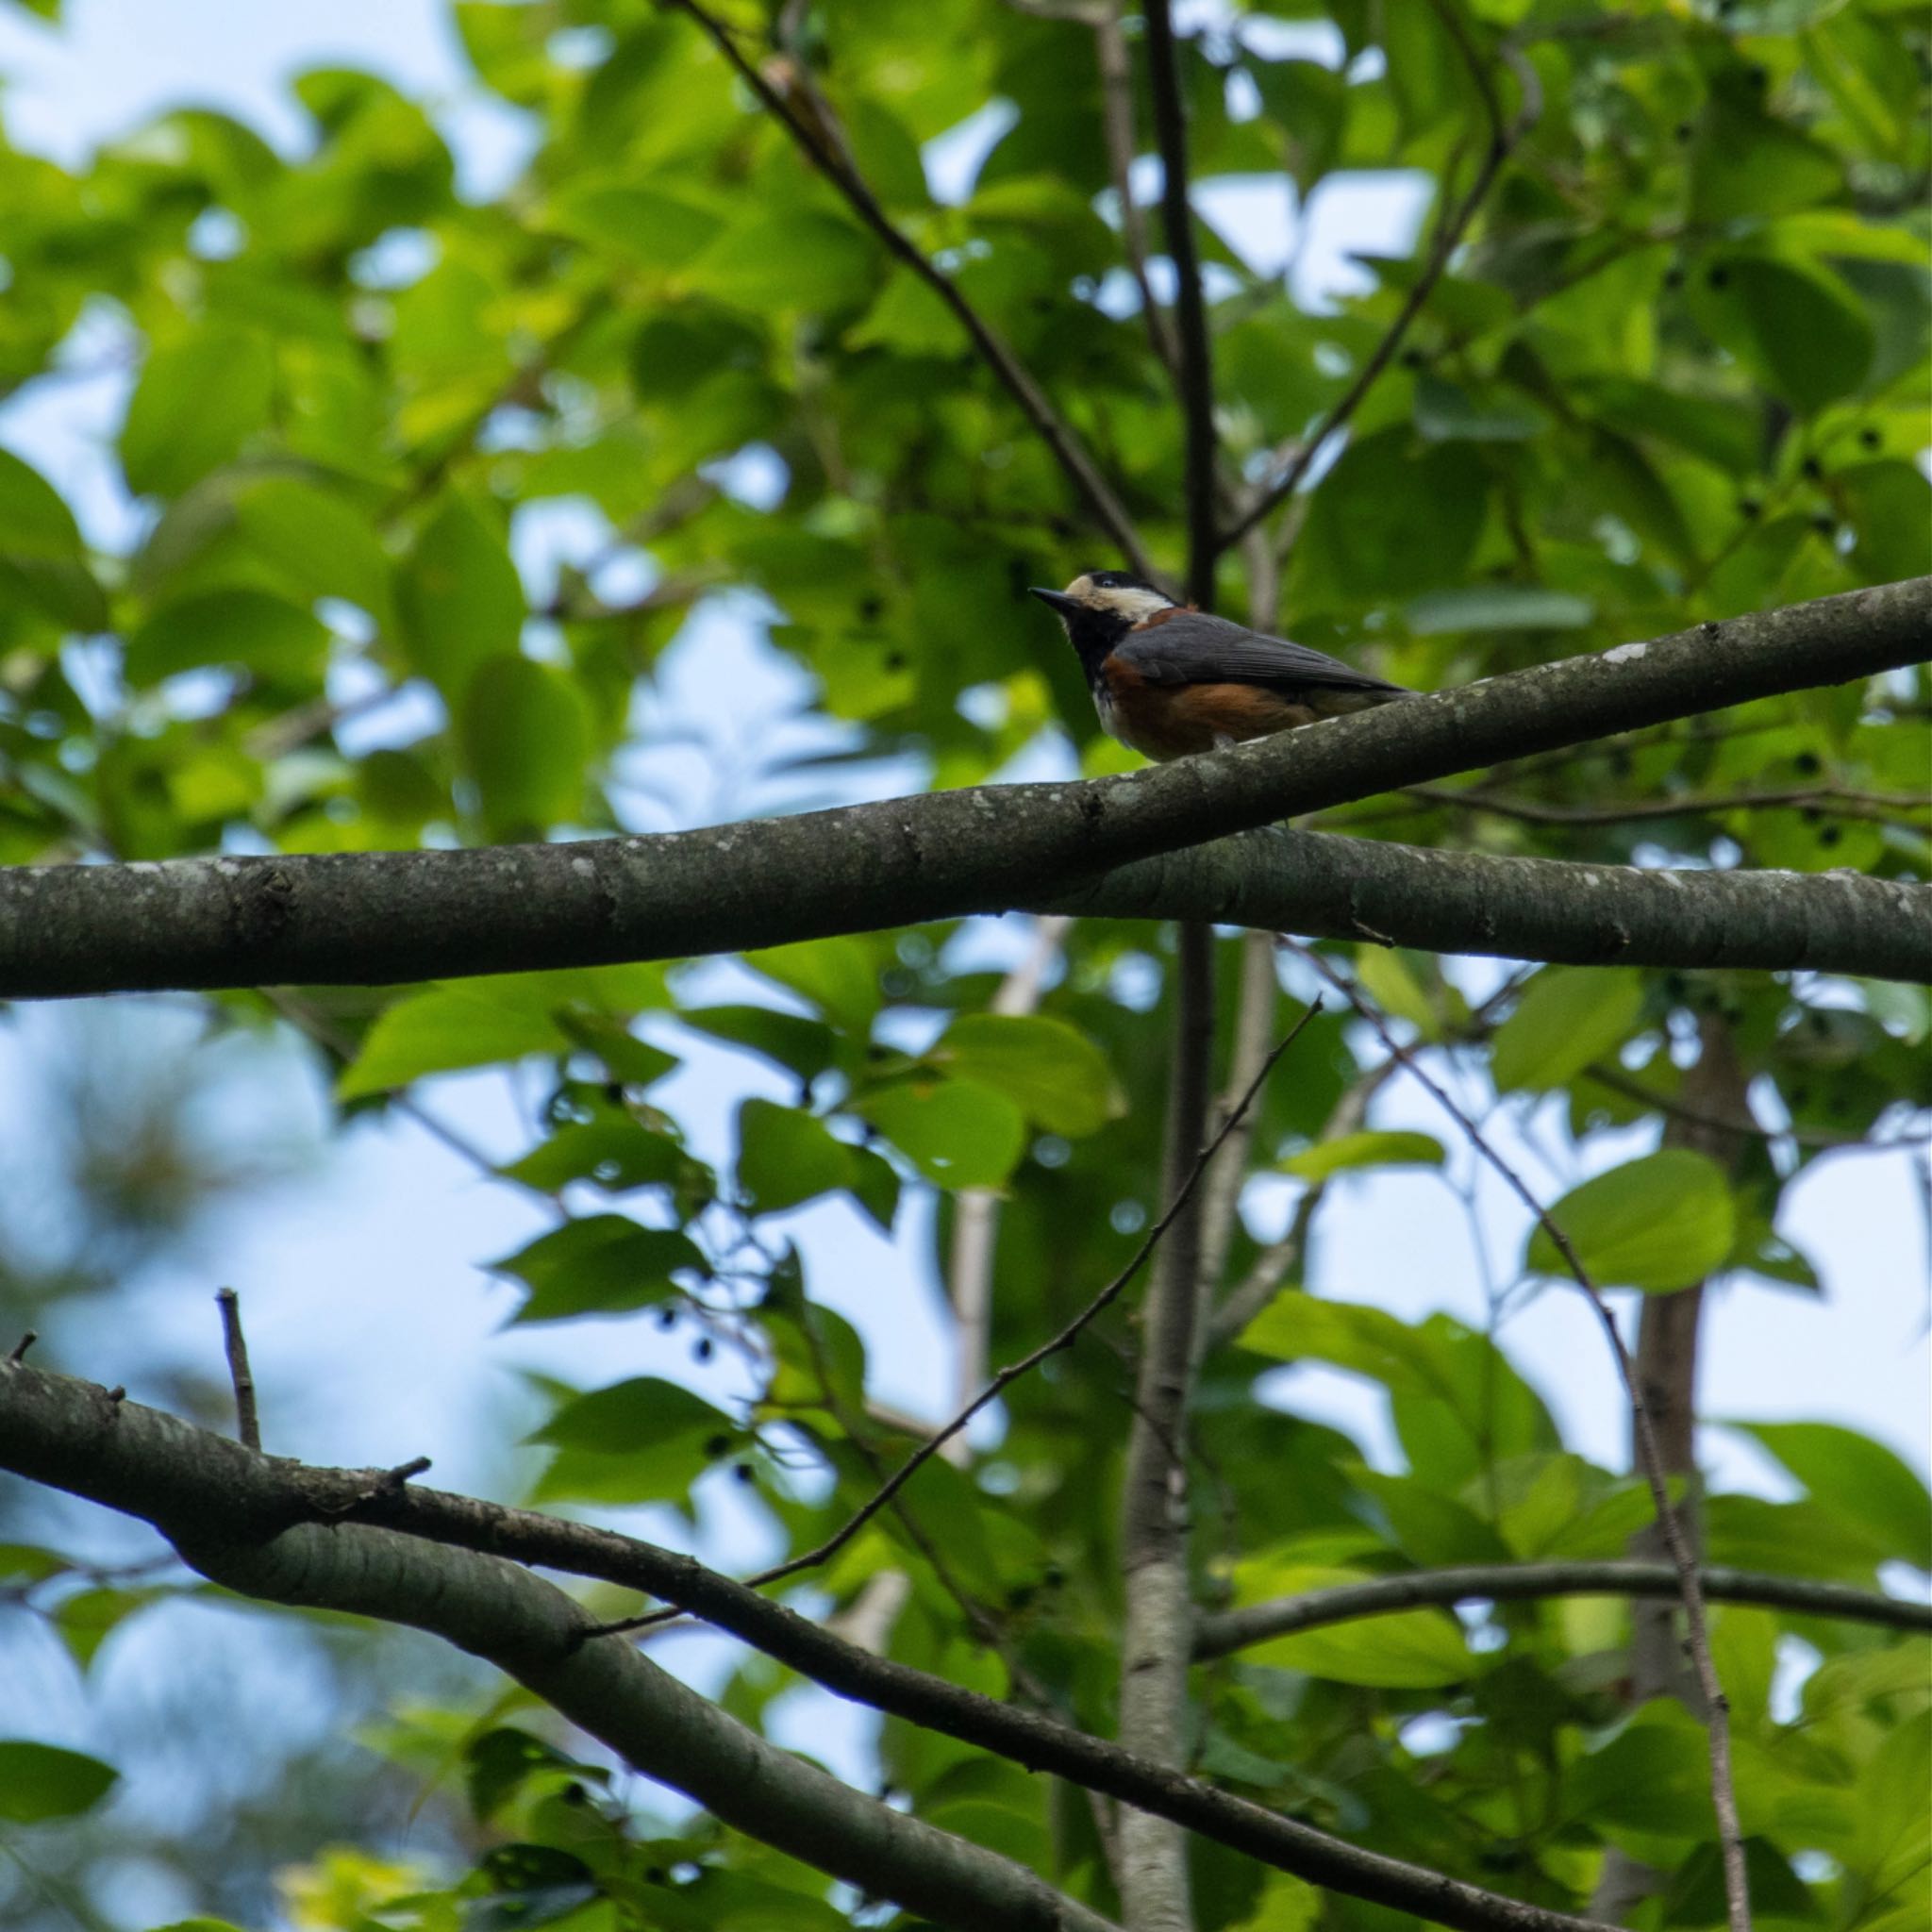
797	260
786	1157
616	1154
459	598
640	225
1799	330
1566	1018
955	1132
199	399
1749	163
640	1440
524	735
1497	606
262	633
1056	1075
1444	413
1395	517
802	1046
1409	1650
1870	1486
1370	1148
1657	1224
449	1028
835	975
1653	1775
600	1265
34	521
42	1781
316	543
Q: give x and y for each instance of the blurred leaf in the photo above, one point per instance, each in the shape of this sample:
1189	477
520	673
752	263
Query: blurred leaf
1054	1075
600	1265
42	1781
1660	1222
1799	330
1497	606
955	1132
1566	1018
1370	1148
786	1157
1862	1480
461	1024
526	735
459	598
199	399
264	634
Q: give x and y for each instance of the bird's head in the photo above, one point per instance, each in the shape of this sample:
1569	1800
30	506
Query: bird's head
1100	607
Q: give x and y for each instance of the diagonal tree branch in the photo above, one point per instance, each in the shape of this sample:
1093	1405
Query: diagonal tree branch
1117	122
1505	1583
384	918
223	1501
1048	425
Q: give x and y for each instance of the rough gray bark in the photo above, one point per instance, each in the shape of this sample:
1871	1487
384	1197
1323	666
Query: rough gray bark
376	918
1323	887
204	1493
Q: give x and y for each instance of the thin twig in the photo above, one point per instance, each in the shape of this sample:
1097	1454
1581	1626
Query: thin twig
1075	462
1821	1138
1503	137
247	1424
1007	1377
1502	1583
1697	1634
1117	122
1843	801
1194	380
18	1352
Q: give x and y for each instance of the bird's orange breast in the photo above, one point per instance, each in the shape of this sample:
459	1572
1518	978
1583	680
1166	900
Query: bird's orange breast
1163	721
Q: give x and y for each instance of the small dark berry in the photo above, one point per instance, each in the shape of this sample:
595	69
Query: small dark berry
1824	525
1871	438
1412	359
1683	130
716	1446
1812	468
703	1349
896	660
1806	764
1673	277
871	609
1750	507
1831	835
744	1472
667	1317
1718	278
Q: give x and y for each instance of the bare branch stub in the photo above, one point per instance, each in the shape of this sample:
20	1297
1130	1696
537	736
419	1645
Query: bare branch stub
240	1378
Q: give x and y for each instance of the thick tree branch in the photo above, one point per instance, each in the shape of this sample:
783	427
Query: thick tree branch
1053	430
203	1490
232	1518
1558	910
379	918
1508	1583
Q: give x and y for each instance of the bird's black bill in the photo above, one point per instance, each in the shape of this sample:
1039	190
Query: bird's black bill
1055	600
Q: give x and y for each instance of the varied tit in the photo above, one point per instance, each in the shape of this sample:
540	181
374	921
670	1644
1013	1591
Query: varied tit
1168	680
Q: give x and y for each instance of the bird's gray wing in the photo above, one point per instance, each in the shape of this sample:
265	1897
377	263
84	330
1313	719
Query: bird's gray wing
1195	648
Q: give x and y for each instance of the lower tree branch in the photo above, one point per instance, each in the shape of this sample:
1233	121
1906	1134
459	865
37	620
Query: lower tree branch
206	1492
1505	1583
1325	887
385	918
151	1465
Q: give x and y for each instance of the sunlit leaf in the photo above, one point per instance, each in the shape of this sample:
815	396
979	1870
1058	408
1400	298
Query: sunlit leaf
1660	1222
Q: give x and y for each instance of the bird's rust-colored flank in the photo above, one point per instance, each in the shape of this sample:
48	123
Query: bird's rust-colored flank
1163	723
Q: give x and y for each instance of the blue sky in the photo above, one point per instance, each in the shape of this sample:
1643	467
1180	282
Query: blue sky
375	1334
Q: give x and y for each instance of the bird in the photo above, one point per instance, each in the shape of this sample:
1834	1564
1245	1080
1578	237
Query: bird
1168	680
